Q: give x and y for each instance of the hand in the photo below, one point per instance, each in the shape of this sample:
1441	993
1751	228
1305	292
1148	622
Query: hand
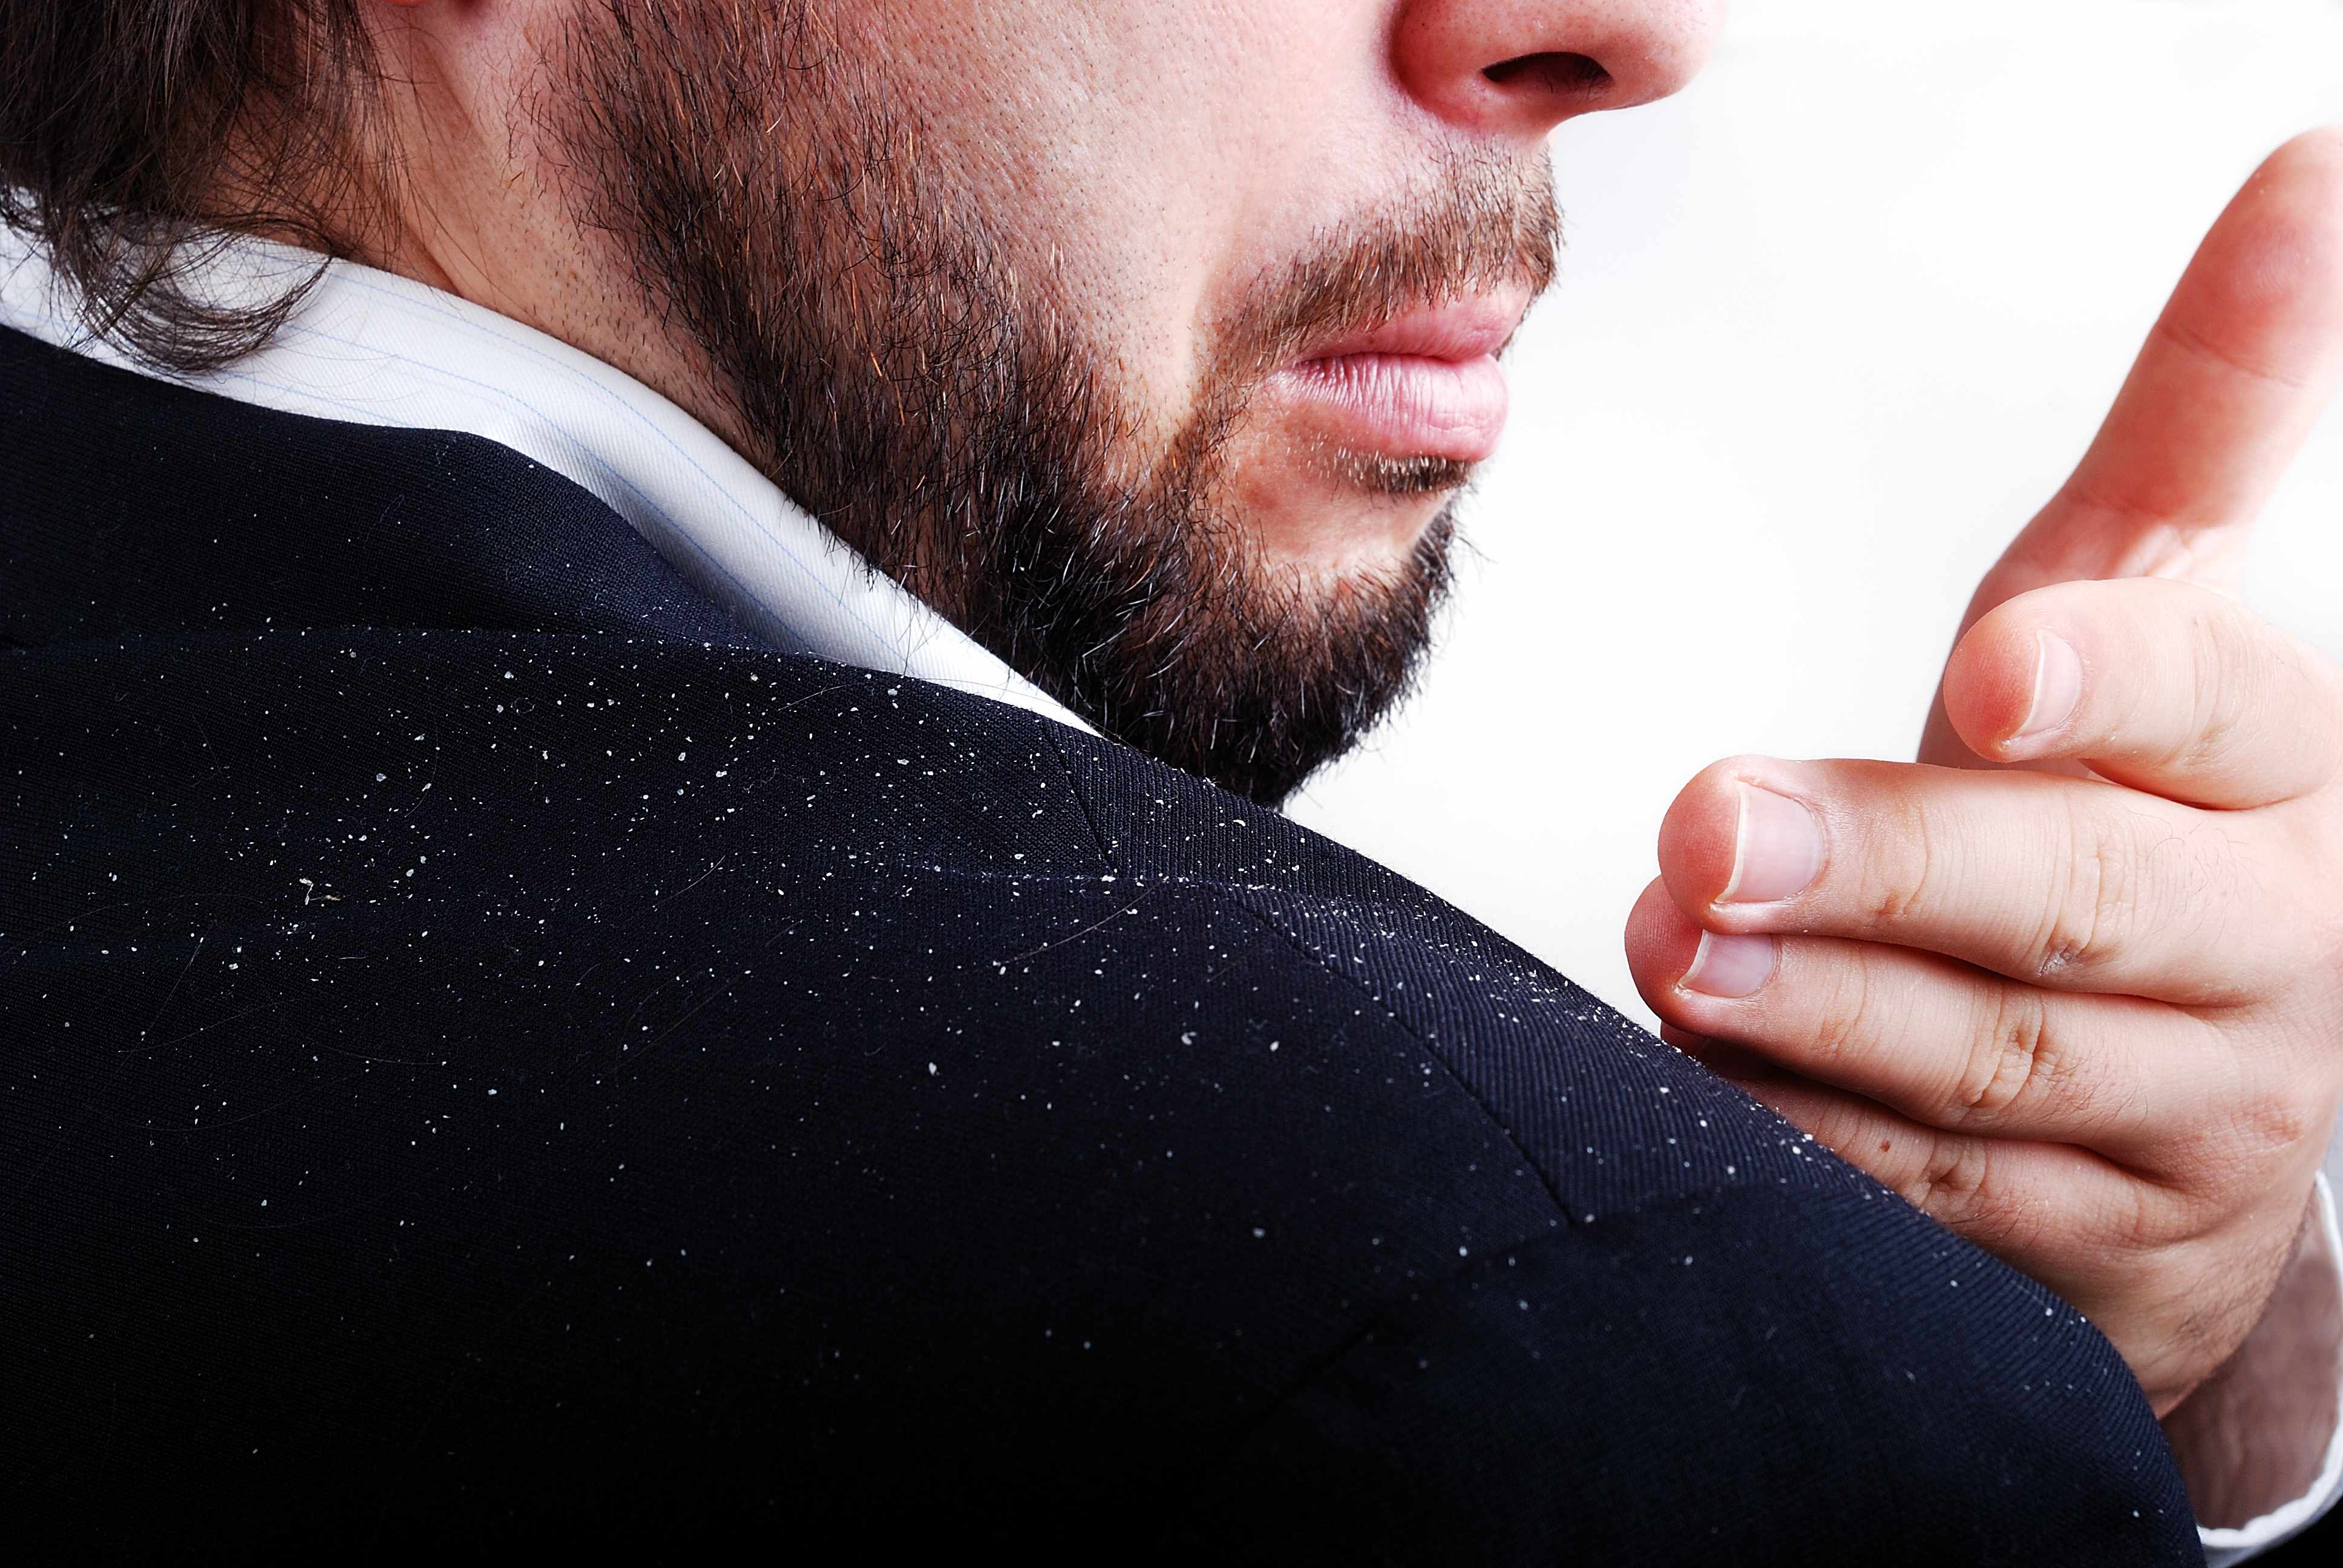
2073	984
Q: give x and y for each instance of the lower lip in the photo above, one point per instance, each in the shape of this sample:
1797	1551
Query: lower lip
1406	404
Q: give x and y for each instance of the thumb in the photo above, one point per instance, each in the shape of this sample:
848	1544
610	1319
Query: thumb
2233	376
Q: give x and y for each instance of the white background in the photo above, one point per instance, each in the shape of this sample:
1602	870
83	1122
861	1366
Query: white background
1830	327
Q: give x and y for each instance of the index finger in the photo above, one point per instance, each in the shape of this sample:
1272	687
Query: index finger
2232	377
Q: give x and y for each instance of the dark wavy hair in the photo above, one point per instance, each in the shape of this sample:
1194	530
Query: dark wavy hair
136	135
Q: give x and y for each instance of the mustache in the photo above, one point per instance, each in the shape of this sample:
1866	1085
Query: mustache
1478	226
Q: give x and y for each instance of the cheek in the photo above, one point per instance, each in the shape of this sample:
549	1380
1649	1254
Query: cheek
1137	164
1098	144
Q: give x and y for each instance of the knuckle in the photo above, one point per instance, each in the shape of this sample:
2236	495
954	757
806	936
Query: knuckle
2145	1219
2014	1059
2266	1125
1847	1018
1961	1187
2092	904
1949	1179
2229	1162
1902	864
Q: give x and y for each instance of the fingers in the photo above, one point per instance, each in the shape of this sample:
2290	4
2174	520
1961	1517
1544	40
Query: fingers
2045	1207
2163	686
2229	385
2135	1255
1942	1044
2073	884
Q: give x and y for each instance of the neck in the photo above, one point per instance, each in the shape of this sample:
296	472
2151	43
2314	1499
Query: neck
477	206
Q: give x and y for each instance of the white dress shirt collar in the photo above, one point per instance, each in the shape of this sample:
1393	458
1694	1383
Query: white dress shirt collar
370	347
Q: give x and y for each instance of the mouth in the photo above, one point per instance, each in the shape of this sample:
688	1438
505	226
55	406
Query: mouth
1424	383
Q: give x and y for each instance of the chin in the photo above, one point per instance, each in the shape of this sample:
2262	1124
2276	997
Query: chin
1359	519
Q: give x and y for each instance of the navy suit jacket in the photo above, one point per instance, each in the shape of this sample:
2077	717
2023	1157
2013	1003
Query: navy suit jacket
493	1057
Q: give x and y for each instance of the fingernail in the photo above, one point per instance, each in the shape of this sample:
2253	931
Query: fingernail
2057	685
1729	966
1777	848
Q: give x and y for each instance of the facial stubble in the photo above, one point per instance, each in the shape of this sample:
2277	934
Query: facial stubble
887	366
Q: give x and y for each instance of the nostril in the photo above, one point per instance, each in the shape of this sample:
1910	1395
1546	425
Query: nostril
1555	73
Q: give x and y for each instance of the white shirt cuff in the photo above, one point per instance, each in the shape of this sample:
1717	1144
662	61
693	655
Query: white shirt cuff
2256	1535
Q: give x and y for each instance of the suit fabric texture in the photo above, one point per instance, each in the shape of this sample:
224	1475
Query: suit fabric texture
494	1056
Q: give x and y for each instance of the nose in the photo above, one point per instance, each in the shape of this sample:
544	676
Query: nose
1517	68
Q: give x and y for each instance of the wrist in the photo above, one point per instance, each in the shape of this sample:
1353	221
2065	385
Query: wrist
2255	1434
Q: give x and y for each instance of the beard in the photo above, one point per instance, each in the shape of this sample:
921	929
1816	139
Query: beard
889	368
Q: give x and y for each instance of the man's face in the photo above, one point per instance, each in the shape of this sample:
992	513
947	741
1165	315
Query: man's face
1149	341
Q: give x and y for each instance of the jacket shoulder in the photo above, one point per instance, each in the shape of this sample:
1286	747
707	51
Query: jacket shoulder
819	1078
134	506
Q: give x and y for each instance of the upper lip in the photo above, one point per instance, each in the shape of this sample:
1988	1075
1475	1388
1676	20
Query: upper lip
1456	330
